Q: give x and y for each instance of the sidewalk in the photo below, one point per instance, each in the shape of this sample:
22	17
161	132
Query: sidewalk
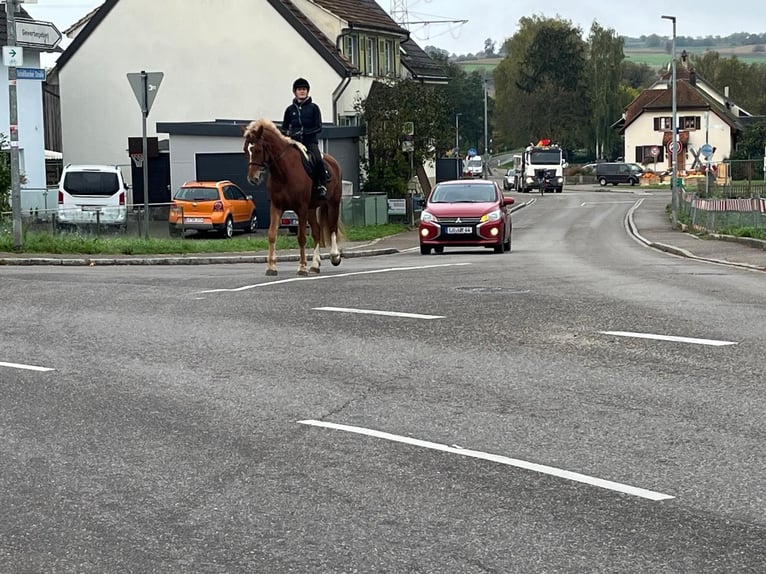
648	222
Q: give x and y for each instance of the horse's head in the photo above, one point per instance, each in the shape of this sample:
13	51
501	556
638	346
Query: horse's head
255	151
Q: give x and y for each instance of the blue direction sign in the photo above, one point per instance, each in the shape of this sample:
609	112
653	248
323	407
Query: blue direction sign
30	73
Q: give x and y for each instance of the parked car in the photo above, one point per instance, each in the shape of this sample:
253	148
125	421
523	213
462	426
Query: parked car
618	172
509	180
219	206
466	213
92	194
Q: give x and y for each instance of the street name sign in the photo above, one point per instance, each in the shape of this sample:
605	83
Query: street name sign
30	74
37	34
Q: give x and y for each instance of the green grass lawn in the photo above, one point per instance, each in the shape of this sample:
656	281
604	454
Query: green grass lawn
75	244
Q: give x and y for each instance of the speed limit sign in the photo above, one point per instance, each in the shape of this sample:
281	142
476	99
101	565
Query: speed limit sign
655	151
674	147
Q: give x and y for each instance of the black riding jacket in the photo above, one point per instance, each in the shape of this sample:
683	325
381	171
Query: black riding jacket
303	121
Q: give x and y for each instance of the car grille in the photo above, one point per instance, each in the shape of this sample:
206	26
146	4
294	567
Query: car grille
463	220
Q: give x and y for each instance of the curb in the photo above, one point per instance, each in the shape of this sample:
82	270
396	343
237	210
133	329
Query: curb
176	260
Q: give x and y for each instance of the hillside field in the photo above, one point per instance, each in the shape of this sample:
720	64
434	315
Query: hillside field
653	58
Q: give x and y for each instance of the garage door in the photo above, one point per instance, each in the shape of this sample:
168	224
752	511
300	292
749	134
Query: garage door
233	166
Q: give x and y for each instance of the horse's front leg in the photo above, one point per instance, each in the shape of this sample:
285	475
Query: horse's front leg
271	261
316	235
302	242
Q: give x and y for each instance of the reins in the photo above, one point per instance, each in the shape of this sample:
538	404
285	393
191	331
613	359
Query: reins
266	164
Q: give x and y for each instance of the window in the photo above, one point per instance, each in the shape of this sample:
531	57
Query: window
663	124
689	122
372	57
351	49
644	154
351	120
388	58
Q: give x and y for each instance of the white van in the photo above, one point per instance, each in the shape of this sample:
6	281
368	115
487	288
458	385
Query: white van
473	166
89	194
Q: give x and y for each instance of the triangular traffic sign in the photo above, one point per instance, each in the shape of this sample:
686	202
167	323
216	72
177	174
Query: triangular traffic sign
145	86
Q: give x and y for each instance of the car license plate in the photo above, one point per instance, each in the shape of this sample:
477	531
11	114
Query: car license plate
193	220
460	230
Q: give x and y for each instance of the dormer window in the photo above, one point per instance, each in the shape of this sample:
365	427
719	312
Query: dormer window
372	57
351	49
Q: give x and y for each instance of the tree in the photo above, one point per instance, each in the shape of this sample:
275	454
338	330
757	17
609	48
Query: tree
489	48
605	57
541	85
388	107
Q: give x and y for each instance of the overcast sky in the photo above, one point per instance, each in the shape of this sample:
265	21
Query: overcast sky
497	19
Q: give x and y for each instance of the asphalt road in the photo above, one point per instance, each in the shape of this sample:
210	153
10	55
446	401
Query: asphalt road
581	404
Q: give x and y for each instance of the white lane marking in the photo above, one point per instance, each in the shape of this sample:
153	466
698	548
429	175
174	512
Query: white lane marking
375	312
711	342
334	276
584	203
549	470
25	367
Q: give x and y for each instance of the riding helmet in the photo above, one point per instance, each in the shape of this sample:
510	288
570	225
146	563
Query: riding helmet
301	83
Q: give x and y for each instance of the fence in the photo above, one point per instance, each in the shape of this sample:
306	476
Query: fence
718	215
356	211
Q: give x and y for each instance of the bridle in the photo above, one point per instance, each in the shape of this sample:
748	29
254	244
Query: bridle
264	164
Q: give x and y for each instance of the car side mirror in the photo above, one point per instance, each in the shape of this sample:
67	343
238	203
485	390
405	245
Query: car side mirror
508	201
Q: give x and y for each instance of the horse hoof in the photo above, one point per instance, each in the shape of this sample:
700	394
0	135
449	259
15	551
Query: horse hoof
271	272
302	273
335	260
314	270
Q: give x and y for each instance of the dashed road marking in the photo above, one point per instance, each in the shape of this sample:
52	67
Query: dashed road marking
25	367
376	312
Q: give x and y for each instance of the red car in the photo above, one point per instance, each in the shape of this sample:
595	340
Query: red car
466	213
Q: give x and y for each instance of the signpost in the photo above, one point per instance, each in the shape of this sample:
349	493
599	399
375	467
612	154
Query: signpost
145	86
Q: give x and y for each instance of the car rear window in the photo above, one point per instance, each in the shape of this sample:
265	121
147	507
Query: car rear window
478	193
91	183
197	194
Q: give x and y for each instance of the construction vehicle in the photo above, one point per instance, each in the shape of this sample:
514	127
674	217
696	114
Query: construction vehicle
542	168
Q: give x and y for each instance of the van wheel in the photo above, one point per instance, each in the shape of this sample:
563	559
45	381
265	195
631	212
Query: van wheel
602	182
633	181
227	231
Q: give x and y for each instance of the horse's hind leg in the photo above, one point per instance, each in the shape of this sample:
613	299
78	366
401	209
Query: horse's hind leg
271	260
333	215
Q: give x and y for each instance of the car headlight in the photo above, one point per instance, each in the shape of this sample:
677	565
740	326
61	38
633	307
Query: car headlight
559	179
491	216
530	180
428	217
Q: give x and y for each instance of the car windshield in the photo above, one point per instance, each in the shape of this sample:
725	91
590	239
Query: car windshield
547	156
473	163
91	183
481	193
197	194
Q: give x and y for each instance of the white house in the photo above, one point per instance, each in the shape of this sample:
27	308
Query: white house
705	116
221	59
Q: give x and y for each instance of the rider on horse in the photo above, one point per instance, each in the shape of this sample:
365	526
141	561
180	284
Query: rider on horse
303	122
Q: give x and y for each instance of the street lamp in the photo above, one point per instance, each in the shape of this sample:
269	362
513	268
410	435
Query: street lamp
674	141
486	141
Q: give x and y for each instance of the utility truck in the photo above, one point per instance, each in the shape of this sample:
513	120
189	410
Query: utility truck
542	168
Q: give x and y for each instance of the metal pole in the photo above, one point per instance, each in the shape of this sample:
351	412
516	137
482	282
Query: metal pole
144	114
457	134
486	140
18	241
674	144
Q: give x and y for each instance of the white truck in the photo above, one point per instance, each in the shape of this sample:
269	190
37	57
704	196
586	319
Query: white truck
542	164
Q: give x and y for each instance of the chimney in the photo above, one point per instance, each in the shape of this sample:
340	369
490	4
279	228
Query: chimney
726	92
693	77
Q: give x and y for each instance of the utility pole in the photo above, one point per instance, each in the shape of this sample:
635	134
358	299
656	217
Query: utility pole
10	11
674	200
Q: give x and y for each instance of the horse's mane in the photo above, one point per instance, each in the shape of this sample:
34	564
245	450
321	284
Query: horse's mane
264	125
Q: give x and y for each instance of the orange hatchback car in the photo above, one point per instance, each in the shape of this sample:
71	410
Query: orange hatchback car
212	206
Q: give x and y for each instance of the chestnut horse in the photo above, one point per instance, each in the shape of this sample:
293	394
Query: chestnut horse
290	187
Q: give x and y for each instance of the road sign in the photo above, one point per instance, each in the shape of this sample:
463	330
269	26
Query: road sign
674	146
30	73
655	151
13	56
145	86
37	34
706	150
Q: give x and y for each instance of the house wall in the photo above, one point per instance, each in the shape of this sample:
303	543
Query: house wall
641	133
220	59
31	133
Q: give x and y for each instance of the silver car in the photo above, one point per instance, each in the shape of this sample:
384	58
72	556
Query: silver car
509	180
